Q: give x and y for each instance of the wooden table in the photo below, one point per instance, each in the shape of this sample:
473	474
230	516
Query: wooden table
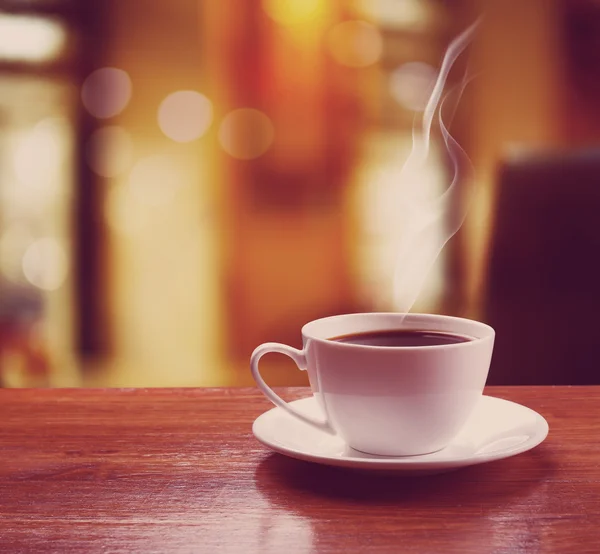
179	471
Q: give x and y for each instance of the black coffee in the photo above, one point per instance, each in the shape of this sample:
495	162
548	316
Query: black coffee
402	337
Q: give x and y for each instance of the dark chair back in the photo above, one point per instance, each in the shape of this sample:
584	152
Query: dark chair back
543	294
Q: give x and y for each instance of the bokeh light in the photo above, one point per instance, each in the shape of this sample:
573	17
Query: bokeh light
185	115
13	245
30	38
411	84
109	151
355	43
246	133
106	92
398	14
293	12
155	180
45	264
39	155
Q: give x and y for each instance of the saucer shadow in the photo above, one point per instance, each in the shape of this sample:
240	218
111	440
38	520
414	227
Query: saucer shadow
288	483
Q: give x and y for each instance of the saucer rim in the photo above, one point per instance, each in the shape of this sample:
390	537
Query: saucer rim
540	430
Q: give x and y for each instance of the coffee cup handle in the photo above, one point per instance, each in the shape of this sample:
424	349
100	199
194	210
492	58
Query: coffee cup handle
300	359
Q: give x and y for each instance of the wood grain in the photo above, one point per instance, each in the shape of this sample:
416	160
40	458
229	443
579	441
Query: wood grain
179	471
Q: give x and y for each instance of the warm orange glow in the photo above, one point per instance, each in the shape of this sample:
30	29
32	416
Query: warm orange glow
293	12
230	137
246	133
355	43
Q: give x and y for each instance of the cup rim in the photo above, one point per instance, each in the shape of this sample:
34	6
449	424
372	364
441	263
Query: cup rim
487	332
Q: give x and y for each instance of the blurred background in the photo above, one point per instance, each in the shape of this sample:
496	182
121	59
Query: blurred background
181	181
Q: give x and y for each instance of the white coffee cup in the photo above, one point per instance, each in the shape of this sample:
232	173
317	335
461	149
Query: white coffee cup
389	400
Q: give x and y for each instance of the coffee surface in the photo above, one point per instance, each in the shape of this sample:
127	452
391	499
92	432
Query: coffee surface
402	337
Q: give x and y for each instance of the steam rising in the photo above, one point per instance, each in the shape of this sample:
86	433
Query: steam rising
420	241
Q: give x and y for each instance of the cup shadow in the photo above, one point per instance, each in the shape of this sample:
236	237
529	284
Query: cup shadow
288	483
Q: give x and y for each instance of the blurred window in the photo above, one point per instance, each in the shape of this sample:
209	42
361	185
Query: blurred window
41	63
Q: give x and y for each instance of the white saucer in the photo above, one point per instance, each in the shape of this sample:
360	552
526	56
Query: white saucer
497	429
